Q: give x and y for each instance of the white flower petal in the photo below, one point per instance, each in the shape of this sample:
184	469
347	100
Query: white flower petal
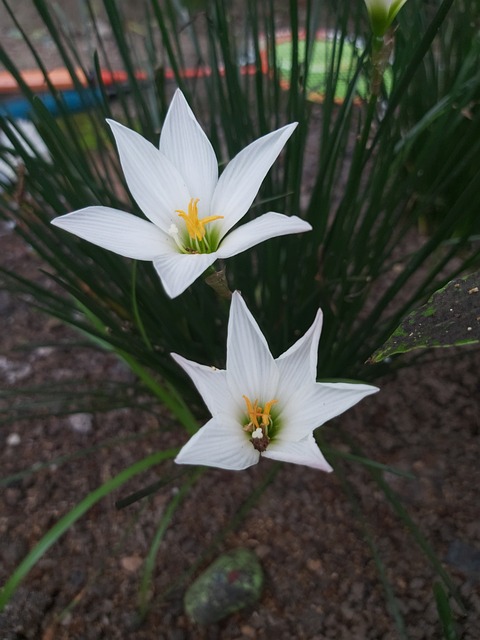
178	271
117	231
313	405
220	443
155	184
251	369
304	452
239	183
269	225
185	144
298	365
211	384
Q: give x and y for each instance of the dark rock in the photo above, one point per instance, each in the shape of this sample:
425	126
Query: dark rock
232	582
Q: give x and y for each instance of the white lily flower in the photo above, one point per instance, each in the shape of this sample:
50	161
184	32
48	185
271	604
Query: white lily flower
382	14
28	136
261	406
191	210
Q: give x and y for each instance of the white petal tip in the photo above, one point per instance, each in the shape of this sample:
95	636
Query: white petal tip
63	222
288	129
306	225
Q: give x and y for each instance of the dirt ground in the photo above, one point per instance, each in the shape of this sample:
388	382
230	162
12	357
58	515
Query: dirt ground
320	578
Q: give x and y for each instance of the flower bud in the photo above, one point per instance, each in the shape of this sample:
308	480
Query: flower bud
382	14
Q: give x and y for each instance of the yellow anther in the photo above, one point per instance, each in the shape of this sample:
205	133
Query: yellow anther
266	418
195	226
255	412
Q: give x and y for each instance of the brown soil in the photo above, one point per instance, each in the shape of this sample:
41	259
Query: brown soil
320	578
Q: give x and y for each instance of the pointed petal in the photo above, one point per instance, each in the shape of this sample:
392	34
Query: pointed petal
313	405
220	443
251	369
185	144
239	183
298	365
178	271
116	231
211	384
304	452
154	182
269	225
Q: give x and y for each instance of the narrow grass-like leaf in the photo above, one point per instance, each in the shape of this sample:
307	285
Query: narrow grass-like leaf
366	462
72	516
219	537
445	613
392	601
81	453
165	520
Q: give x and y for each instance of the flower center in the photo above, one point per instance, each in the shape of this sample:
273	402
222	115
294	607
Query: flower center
259	422
196	227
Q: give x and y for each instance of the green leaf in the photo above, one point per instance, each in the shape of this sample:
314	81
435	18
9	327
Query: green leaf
149	564
445	612
72	516
391	599
450	318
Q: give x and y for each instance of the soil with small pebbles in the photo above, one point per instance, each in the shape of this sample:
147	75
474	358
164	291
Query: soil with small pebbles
320	577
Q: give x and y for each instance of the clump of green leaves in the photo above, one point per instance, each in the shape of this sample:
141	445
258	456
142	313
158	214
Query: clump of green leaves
359	170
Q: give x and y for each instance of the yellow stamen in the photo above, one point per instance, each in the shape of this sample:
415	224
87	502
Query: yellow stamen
266	418
259	422
255	412
195	226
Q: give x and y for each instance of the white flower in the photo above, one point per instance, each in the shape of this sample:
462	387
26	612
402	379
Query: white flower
382	14
31	141
261	406
191	210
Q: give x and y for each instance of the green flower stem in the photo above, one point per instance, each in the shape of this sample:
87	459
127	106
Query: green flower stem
217	280
381	51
